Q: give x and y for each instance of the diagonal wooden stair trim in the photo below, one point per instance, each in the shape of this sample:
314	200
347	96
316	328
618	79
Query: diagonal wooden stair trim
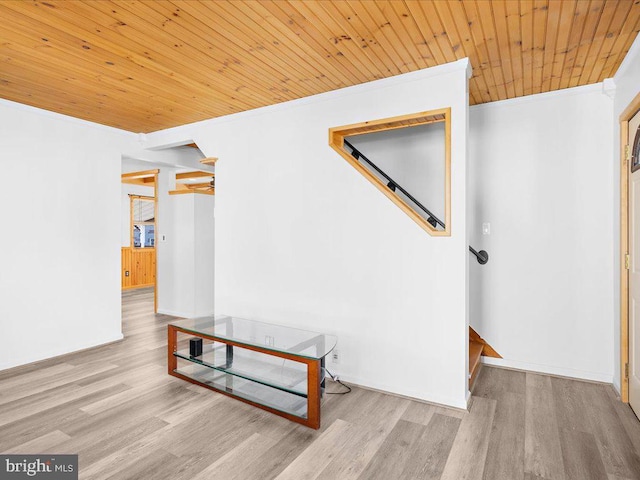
487	350
478	347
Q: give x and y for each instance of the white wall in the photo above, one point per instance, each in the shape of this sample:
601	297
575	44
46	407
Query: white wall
60	258
541	172
302	239
185	247
627	86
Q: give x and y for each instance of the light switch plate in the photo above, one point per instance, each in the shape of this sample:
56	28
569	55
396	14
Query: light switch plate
486	229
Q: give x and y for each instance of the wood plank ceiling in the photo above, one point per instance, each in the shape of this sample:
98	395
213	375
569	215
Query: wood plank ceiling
148	65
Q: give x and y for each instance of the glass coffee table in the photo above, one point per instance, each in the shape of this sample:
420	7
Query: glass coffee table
279	369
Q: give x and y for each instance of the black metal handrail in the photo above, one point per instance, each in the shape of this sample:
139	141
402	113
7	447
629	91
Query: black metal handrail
482	255
355	153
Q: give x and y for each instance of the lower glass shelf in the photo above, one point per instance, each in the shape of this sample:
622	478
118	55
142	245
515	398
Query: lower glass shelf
280	400
285	375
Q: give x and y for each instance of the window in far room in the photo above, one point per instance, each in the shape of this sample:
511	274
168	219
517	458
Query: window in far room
143	222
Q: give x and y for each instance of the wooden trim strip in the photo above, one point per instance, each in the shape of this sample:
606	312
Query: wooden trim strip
141	174
192	190
625	116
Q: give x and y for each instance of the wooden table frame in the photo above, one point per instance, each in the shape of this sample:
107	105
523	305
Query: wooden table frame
314	377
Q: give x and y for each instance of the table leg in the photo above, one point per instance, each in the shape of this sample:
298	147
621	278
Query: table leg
313	393
172	341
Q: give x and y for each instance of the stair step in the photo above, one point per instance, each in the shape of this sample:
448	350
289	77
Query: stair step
475	352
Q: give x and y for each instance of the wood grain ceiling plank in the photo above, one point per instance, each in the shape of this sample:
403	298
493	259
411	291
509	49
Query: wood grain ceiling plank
615	27
71	79
504	45
268	55
484	66
136	54
540	20
622	42
604	20
141	23
526	25
338	30
427	31
55	60
382	28
562	42
515	35
434	30
461	42
400	29
551	37
29	92
589	30
485	15
301	37
356	28
575	35
93	44
413	34
220	55
55	56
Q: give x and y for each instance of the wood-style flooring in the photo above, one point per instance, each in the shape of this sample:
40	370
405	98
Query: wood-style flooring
118	409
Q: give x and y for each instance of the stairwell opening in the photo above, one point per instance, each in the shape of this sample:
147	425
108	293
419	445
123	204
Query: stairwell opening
408	158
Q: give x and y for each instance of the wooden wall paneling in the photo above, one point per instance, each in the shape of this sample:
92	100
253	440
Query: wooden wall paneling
126	266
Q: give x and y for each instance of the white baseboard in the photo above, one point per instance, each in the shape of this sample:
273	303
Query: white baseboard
550	370
58	352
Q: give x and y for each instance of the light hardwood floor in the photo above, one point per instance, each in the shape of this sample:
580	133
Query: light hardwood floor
117	408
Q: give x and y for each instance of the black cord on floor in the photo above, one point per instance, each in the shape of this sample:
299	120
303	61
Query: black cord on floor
337	381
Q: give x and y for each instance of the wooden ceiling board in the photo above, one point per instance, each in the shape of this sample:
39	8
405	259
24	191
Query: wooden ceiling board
146	65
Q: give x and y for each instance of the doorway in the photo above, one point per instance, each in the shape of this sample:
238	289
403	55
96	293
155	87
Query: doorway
630	255
138	250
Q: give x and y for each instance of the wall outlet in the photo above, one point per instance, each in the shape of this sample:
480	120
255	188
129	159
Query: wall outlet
269	340
126	273
335	356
